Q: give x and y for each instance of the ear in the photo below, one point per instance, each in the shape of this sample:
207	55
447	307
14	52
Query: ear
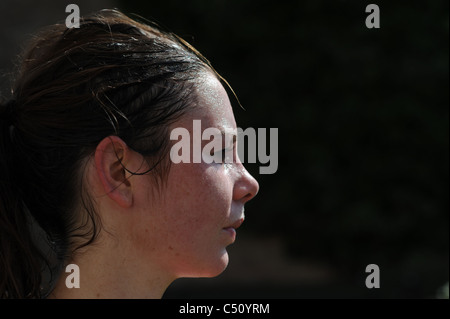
111	156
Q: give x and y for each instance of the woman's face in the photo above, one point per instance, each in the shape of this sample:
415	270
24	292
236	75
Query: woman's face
186	228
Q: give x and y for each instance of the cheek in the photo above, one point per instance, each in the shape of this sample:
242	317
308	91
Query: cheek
195	212
200	203
201	186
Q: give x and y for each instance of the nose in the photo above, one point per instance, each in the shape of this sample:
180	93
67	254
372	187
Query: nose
246	187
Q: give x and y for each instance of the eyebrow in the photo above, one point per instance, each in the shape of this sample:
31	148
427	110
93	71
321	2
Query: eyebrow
224	133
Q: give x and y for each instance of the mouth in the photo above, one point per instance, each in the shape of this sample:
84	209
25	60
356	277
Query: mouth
231	229
236	224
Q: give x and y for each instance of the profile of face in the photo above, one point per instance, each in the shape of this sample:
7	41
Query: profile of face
195	218
183	228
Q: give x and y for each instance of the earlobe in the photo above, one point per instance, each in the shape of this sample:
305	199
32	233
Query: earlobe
110	162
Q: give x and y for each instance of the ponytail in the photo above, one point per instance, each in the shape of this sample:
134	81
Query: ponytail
20	259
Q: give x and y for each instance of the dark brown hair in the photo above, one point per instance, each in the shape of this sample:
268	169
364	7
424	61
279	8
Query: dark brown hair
112	76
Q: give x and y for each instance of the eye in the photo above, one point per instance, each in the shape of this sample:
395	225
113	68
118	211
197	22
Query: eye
227	155
223	156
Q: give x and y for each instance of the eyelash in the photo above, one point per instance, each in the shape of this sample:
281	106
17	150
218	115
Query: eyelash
223	153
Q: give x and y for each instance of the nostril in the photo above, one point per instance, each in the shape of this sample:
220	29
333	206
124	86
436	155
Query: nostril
251	187
255	189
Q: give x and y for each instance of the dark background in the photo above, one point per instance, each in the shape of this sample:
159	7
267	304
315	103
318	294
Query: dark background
363	139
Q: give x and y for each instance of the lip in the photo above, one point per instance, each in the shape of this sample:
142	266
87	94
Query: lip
231	232
236	224
231	229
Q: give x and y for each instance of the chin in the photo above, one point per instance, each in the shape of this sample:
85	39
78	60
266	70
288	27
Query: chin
220	265
211	268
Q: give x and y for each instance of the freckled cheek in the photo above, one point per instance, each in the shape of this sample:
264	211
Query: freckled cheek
205	196
189	227
194	211
192	230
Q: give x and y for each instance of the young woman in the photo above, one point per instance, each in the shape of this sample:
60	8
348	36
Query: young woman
85	172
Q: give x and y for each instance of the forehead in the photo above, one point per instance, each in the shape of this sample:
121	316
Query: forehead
213	107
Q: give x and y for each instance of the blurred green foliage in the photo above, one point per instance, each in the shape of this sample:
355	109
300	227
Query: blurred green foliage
363	126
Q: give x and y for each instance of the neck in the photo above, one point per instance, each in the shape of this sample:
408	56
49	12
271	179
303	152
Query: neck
104	273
